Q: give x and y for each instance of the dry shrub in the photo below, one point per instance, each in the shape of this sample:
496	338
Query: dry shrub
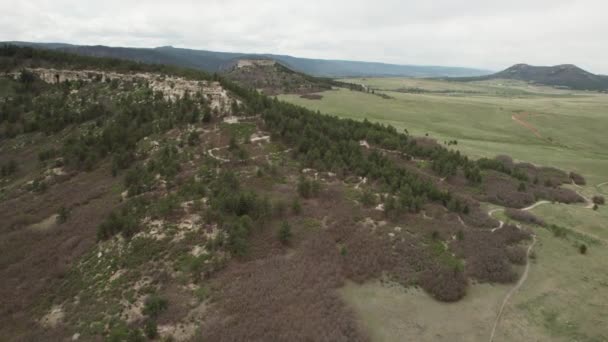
406	261
577	178
524	216
507	161
366	255
486	255
479	218
510	234
516	255
599	200
426	142
445	283
311	96
503	190
284	298
544	174
561	195
491	265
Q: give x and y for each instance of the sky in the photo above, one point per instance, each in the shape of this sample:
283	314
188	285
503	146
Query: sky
485	34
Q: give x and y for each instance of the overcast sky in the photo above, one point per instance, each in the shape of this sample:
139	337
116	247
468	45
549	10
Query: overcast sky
476	33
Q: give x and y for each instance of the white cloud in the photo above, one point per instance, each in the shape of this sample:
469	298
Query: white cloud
477	33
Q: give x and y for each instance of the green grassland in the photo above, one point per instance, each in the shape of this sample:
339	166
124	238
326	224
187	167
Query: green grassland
572	125
564	296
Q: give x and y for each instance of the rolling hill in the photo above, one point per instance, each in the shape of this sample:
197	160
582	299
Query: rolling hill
212	61
563	76
273	78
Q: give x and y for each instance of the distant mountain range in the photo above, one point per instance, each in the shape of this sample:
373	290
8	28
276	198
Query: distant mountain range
212	61
561	76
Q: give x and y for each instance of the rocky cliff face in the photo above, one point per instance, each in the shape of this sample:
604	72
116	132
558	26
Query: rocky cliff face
170	86
255	62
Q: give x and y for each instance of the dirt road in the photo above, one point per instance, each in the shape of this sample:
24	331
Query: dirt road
519	118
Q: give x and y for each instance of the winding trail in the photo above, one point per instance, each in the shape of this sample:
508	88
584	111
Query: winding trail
535	205
524	276
500	222
210	153
224	160
589	202
521	281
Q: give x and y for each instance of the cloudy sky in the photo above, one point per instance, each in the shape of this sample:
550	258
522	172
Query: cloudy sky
476	33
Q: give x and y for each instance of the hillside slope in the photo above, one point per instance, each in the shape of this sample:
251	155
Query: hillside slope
211	61
566	76
145	199
273	78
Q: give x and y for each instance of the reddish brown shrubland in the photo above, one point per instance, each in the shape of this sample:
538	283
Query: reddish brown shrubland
577	179
524	216
445	283
283	298
486	255
561	195
503	190
516	255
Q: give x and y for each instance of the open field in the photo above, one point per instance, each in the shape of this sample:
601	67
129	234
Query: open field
564	296
391	313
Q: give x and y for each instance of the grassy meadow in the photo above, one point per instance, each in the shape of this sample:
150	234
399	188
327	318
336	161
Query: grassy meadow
479	115
565	295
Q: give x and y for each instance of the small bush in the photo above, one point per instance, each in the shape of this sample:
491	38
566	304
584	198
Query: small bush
202	293
296	206
285	233
516	255
524	216
135	335
62	215
39	186
233	145
280	208
166	205
193	138
117	222
558	231
47	154
154	306
238	234
367	198
521	187
582	249
577	179
150	329
599	200
308	188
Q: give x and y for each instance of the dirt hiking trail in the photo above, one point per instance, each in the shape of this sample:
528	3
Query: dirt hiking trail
521	281
519	118
524	276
